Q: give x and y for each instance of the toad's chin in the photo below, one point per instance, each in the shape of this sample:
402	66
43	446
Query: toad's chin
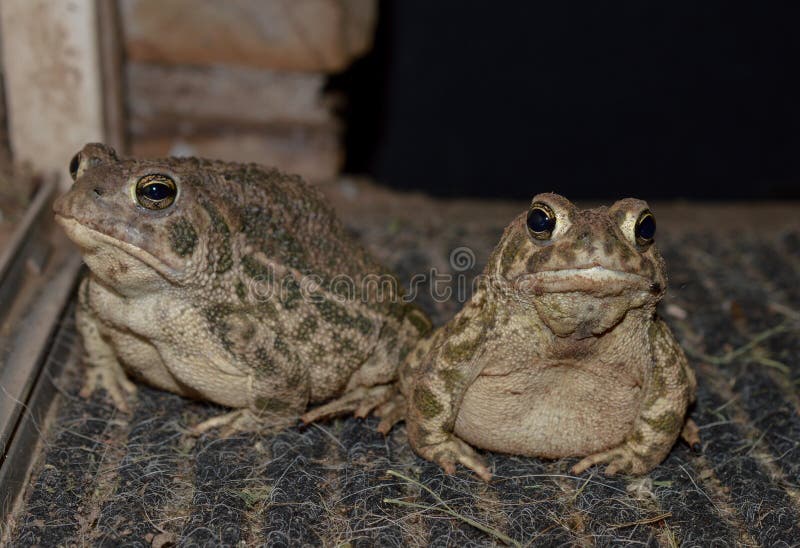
585	302
582	315
117	263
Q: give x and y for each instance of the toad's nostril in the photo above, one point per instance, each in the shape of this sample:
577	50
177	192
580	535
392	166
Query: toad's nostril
98	191
655	287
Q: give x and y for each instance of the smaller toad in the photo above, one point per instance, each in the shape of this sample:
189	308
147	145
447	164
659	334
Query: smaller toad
560	351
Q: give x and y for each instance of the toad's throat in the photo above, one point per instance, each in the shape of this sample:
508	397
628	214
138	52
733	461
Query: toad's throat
595	280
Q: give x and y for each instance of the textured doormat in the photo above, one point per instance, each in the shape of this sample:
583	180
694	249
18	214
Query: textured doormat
103	478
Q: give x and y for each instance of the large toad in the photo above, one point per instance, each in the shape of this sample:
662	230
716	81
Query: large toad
559	353
229	283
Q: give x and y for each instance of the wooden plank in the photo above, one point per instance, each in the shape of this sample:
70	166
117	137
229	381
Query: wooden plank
307	35
38	273
54	81
361	17
111	71
313	153
164	97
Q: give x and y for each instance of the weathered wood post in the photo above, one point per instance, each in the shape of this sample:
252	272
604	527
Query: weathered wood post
62	79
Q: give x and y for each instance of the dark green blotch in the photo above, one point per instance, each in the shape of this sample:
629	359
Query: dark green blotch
255	269
344	287
267	309
281	346
510	252
343	345
306	329
461	352
668	422
457	327
182	237
451	378
389	335
397	308
425	401
263	229
363	324
404	352
334	313
291	296
488	316
216	316
225	260
241	290
218	223
419	320
224	255
317	353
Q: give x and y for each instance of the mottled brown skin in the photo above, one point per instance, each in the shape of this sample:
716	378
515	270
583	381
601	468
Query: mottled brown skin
236	293
559	353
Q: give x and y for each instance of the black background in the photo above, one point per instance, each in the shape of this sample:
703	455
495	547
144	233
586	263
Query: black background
590	99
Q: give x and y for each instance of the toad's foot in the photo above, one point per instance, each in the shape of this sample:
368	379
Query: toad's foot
453	450
691	435
360	402
113	379
620	459
391	412
241	420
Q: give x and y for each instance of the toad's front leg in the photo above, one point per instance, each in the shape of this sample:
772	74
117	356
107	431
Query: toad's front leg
103	368
670	389
435	394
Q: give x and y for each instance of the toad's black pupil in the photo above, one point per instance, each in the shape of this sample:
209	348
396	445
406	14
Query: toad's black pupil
646	228
74	164
540	221
157	191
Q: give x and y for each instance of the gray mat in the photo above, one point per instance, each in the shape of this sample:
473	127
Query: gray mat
102	478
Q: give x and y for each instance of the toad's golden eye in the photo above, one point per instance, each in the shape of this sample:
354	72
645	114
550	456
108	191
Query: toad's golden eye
645	229
541	221
156	191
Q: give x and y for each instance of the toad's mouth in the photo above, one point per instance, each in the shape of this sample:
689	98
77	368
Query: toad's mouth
595	280
92	242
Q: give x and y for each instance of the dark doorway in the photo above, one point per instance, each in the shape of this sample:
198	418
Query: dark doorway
593	100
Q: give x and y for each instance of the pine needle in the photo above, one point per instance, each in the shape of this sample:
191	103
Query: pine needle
447	510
